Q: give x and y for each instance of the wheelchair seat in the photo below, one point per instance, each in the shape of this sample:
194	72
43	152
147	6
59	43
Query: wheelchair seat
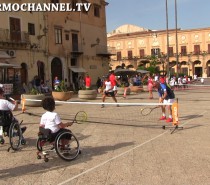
44	134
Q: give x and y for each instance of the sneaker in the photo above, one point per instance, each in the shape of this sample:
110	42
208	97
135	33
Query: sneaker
169	120
23	129
163	118
102	106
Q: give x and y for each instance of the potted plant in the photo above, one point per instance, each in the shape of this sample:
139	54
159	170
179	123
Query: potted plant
87	93
61	93
33	94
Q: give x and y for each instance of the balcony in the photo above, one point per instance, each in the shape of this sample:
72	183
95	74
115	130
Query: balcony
13	39
76	50
105	51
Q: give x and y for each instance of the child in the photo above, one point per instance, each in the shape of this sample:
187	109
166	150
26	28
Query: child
51	120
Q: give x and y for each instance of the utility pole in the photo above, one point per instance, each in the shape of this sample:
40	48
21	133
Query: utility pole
177	50
167	35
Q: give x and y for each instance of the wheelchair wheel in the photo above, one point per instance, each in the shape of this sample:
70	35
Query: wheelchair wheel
15	135
39	144
67	146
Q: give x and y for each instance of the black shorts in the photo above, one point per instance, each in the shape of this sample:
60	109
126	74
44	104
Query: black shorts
110	94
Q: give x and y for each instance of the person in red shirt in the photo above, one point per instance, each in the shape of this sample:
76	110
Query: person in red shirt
113	81
87	81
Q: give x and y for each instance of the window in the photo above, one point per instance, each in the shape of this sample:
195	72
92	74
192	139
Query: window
31	29
183	50
15	29
130	55
155	51
73	4
196	49
58	35
141	53
170	51
208	48
67	36
54	1
119	56
75	46
96	10
73	61
83	9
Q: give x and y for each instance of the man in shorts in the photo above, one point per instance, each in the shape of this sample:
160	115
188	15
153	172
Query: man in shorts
166	95
108	91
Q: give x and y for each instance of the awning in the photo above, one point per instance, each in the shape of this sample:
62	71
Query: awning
4	55
78	69
6	65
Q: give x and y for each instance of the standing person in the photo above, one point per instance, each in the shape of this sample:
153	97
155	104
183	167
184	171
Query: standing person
56	83
108	91
166	95
112	78
51	120
37	83
149	85
87	81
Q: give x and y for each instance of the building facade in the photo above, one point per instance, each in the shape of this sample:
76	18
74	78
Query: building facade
49	44
191	49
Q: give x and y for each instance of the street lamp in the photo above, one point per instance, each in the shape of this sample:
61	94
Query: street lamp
167	35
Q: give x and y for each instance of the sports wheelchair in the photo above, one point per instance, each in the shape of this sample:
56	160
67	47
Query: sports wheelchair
65	144
9	126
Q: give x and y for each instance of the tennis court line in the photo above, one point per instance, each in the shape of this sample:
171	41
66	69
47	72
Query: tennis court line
122	154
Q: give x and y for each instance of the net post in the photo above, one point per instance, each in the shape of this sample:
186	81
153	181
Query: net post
175	109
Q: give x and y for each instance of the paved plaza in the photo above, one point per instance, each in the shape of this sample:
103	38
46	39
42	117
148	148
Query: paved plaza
119	147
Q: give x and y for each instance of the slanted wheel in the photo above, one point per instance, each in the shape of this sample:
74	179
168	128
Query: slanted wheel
15	135
67	146
39	144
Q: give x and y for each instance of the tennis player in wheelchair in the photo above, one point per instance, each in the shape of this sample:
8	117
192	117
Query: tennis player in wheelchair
9	125
53	131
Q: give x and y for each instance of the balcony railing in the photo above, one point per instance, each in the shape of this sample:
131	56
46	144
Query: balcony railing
105	50
13	37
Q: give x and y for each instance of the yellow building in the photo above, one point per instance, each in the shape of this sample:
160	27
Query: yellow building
48	44
134	44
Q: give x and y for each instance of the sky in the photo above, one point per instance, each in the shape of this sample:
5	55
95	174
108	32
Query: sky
151	14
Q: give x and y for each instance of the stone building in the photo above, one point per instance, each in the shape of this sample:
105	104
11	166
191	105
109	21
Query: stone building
49	44
133	46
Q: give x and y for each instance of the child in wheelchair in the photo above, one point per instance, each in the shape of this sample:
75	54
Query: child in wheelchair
8	123
53	131
51	120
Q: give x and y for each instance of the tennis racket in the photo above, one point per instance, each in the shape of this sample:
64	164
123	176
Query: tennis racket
80	117
147	110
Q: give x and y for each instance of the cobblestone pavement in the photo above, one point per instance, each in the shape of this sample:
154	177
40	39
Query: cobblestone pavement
119	147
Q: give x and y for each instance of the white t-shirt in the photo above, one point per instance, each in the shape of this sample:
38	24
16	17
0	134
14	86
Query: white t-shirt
51	120
6	105
108	86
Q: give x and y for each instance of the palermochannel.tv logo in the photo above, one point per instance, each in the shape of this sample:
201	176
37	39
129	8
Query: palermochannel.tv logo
44	7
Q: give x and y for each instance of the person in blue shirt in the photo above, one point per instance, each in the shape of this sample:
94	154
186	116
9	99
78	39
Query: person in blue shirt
56	83
166	95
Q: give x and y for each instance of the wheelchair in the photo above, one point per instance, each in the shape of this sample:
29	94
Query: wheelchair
65	145
10	126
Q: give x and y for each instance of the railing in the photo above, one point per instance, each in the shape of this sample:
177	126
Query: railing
76	48
15	37
105	50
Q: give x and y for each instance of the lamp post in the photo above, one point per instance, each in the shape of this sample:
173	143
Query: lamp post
167	35
177	55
